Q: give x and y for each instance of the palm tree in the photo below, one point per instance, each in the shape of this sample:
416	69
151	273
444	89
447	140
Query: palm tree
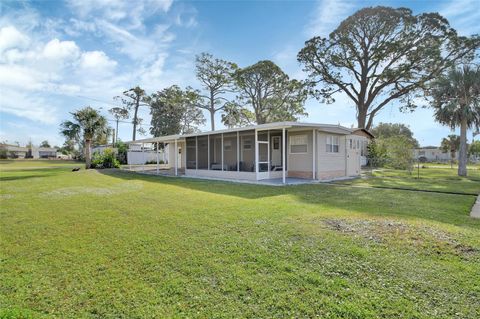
87	125
456	102
451	144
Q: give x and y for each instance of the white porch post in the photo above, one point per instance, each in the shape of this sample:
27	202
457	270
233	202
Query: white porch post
238	151
268	153
284	149
256	155
158	158
208	150
222	153
196	153
143	158
176	158
314	151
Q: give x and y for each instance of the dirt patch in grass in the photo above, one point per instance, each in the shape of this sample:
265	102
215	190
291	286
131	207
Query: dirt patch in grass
422	238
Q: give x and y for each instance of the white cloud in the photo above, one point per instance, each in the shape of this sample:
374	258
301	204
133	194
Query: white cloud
28	105
97	61
10	37
327	16
61	50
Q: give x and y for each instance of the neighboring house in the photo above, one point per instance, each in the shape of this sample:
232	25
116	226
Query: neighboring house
14	151
267	151
138	155
432	154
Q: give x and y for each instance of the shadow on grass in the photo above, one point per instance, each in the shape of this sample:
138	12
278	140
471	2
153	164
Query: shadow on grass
451	209
23	174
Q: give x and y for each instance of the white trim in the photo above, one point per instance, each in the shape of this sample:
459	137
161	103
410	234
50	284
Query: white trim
223	151
256	155
176	158
314	150
158	159
238	151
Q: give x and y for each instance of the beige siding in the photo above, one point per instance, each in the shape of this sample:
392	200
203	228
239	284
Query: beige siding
330	165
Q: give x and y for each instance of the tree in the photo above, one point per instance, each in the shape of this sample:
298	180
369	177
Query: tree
174	111
44	144
394	152
474	149
450	144
268	93
380	55
386	130
132	100
87	125
215	75
119	113
456	103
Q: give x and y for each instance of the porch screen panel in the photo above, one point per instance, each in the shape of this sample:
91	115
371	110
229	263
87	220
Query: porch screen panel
216	152
247	151
203	152
191	150
230	151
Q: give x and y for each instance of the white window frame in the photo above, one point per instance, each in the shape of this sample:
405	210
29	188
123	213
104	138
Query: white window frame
330	141
291	143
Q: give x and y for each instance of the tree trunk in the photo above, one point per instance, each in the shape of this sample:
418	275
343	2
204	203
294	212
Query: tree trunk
362	118
462	154
115	137
88	159
212	110
212	119
137	104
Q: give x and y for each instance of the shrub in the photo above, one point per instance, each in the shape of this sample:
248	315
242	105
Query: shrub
392	152
105	159
155	162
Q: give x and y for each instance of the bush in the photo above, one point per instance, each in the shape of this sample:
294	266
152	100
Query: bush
155	162
392	152
106	159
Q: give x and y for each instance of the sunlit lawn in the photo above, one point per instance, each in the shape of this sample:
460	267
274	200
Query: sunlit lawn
123	245
430	177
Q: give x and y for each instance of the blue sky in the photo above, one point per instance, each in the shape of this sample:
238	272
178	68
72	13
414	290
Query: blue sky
58	56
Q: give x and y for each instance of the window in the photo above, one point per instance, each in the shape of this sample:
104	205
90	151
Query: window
227	145
332	144
247	144
276	142
298	144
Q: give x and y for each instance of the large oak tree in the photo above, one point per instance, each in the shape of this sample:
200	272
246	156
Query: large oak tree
380	55
175	111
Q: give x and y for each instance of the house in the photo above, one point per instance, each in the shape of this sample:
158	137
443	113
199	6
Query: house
432	154
278	150
363	144
15	151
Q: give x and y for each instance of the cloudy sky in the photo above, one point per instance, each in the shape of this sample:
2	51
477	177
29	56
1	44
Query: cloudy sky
58	56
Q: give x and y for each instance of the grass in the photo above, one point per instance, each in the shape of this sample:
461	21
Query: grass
432	178
106	244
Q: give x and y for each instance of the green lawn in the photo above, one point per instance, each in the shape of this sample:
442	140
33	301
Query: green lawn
106	244
432	178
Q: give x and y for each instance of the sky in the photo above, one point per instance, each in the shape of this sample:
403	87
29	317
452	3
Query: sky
59	56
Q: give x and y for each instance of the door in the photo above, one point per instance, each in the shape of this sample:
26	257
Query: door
276	151
263	164
353	157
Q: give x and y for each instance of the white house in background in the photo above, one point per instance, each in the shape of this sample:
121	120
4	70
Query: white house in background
14	151
432	154
269	151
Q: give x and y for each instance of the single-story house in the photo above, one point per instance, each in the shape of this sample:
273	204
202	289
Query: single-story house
432	154
278	150
15	151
